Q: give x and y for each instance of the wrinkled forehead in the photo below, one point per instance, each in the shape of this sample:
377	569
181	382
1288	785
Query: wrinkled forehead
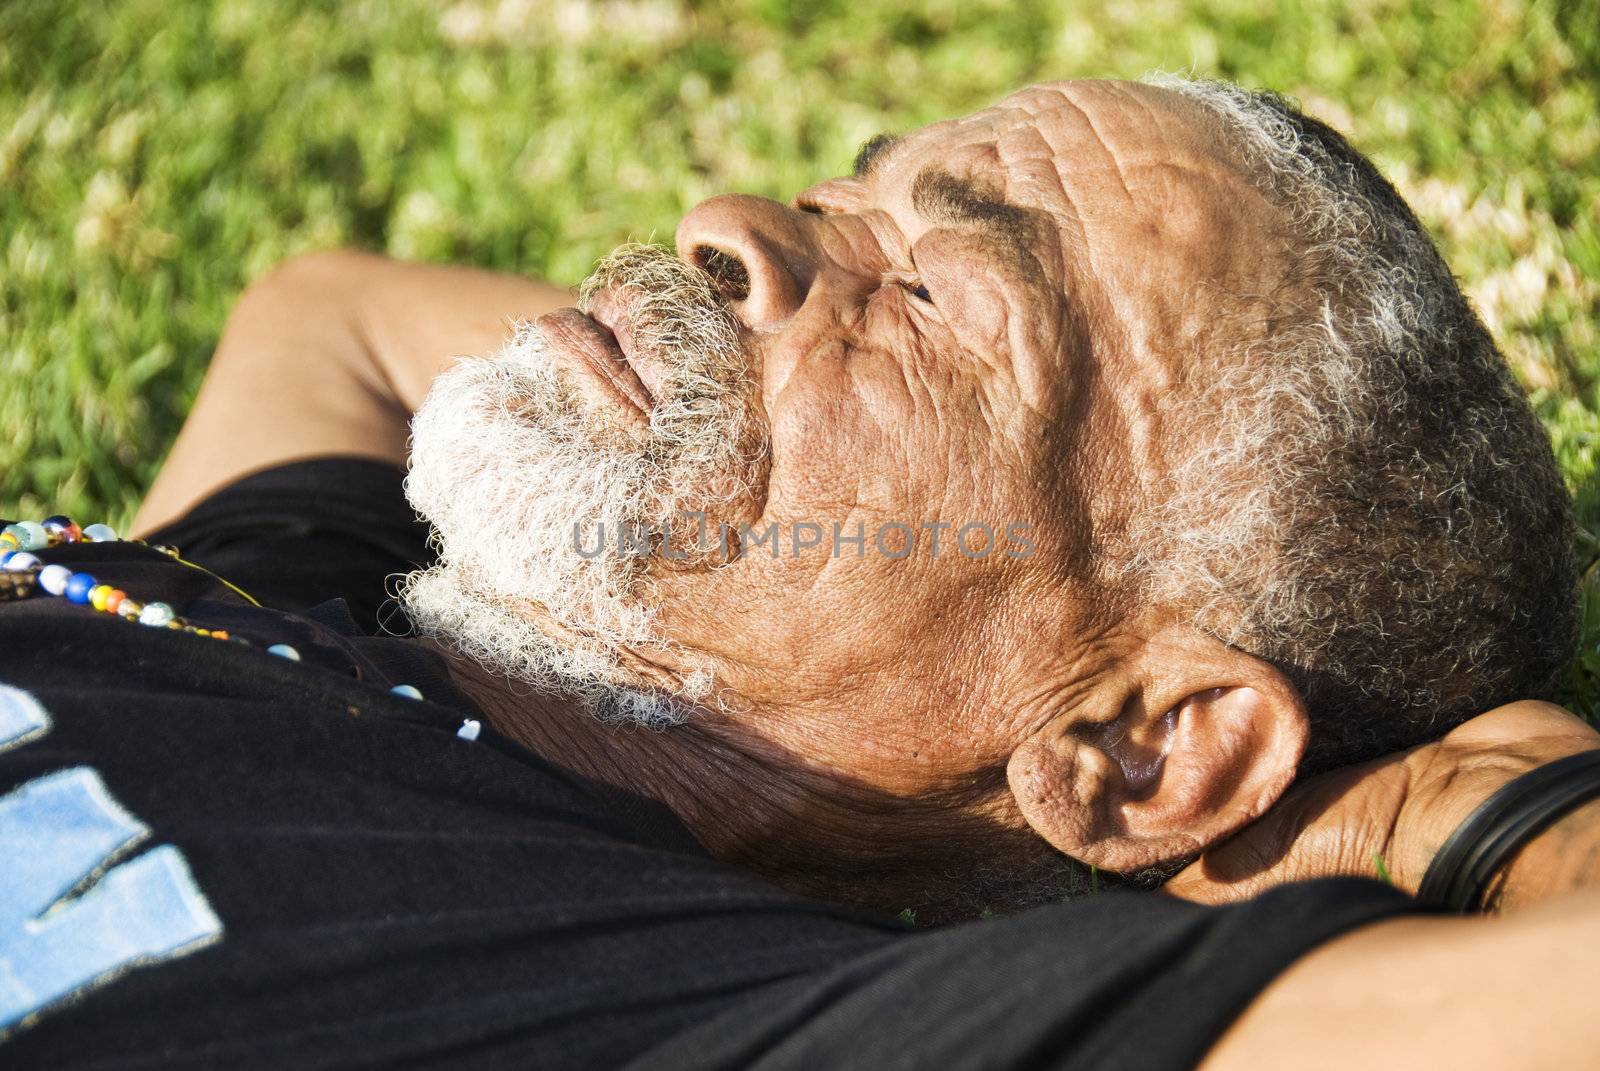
1147	240
1151	204
1090	149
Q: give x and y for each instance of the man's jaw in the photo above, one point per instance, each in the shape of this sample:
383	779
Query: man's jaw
511	451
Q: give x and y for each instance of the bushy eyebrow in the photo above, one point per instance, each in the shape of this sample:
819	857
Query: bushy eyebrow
941	198
871	152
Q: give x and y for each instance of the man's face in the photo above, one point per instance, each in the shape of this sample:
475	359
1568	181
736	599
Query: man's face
985	326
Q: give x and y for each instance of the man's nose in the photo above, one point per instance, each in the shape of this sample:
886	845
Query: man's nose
757	250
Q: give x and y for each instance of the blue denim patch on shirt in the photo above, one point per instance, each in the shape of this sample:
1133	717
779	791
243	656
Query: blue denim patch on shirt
72	916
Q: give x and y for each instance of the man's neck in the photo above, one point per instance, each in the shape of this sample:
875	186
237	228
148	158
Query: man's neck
753	804
707	772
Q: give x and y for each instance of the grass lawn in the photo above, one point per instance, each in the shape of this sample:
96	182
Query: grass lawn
158	155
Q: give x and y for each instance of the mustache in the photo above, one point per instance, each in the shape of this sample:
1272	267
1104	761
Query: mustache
679	323
656	271
674	306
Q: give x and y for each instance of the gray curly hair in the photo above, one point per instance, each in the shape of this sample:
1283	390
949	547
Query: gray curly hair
1380	514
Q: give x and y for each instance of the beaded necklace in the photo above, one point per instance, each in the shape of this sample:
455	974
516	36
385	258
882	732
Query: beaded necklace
23	575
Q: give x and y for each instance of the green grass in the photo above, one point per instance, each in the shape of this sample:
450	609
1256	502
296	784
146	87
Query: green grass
158	155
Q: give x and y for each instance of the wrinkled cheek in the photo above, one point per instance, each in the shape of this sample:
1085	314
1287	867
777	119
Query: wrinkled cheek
836	453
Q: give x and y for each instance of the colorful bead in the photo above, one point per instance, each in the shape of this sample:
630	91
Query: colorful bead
24	568
78	587
470	728
53	578
406	690
156	615
61	529
165	548
25	535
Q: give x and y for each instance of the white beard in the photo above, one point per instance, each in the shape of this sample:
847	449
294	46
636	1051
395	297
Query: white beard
505	463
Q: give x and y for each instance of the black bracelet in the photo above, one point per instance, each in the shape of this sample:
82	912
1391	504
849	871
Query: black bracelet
1460	874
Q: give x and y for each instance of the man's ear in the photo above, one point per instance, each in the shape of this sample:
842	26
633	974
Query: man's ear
1180	747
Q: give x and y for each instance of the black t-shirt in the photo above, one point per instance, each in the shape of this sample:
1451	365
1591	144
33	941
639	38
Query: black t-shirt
214	856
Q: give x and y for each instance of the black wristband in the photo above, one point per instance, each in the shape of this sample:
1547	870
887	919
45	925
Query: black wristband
1460	874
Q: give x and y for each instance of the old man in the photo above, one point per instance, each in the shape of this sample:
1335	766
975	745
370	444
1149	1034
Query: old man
1022	514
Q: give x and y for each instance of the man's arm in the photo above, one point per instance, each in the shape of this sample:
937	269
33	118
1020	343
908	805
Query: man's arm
329	355
1396	813
1512	990
1461	993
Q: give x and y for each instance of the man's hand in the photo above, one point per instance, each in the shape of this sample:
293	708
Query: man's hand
1390	817
1424	991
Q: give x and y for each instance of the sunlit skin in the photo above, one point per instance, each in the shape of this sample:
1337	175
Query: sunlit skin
1060	238
984	325
903	723
991	323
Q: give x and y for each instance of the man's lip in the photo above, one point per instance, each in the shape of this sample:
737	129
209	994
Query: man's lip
582	343
610	310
